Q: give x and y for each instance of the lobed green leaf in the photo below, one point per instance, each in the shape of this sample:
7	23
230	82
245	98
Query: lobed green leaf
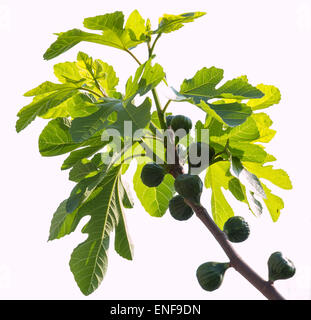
97	74
170	22
40	106
55	139
89	260
271	96
274	203
277	176
203	87
248	179
217	178
200	89
62	222
83	153
113	33
84	128
85	168
67	40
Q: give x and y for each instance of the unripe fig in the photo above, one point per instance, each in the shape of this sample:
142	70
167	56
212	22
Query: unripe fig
181	122
280	267
152	174
179	210
190	187
210	275
236	229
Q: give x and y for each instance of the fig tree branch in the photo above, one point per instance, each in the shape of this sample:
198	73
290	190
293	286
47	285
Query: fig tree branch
265	287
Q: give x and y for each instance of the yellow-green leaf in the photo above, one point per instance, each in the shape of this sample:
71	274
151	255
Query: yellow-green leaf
271	96
170	22
274	203
217	178
277	176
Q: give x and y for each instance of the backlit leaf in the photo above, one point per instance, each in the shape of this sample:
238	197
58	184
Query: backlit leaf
55	138
170	22
200	89
277	176
77	155
67	40
248	179
203	87
216	178
274	203
40	106
97	73
83	128
89	260
113	32
271	96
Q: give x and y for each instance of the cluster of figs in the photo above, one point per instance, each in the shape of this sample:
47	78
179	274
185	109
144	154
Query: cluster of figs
189	189
188	186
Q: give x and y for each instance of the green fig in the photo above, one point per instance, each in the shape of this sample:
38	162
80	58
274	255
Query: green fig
210	275
152	174
236	229
190	187
179	210
181	122
280	267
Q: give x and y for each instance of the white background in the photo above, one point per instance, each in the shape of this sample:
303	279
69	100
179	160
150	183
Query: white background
268	40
